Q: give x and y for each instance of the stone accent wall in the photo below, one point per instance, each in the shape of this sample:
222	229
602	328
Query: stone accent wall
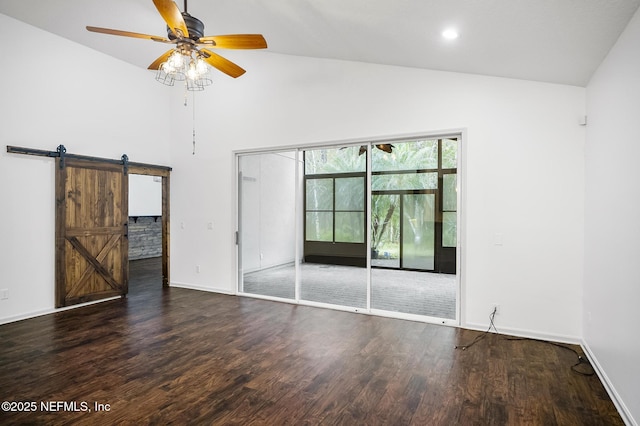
145	237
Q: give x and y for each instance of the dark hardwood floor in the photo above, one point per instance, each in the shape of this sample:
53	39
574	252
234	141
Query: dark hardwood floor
178	356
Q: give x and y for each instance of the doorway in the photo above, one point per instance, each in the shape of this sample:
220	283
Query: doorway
145	233
160	176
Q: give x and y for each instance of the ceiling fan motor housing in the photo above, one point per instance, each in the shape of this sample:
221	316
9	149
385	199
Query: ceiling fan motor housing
194	26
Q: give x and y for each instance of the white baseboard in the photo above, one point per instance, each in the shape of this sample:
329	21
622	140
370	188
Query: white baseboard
558	338
40	313
611	390
202	288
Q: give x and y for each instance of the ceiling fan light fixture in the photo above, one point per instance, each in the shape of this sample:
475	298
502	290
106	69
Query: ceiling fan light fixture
187	62
184	65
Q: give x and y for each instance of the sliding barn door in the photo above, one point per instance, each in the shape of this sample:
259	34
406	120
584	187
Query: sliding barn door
91	231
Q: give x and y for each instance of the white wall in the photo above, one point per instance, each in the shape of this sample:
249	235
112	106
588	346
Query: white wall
612	215
524	171
95	106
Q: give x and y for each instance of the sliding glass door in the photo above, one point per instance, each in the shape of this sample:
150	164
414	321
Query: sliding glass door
365	227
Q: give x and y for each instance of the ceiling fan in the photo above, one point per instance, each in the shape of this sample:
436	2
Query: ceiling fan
187	60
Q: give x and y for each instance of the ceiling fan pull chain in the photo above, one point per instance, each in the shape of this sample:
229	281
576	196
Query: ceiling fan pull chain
194	124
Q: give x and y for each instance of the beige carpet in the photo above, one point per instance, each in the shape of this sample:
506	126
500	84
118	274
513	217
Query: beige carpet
411	292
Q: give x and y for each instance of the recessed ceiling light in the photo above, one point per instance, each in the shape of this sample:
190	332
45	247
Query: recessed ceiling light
450	34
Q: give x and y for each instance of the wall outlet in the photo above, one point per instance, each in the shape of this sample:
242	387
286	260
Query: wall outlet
4	294
495	307
198	269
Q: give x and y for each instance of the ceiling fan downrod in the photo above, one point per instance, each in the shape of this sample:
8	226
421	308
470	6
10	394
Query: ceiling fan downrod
194	26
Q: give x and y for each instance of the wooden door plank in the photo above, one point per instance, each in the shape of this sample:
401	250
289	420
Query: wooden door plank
93	262
60	238
89	270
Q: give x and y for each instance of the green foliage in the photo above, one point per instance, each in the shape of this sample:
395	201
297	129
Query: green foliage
334	160
407	159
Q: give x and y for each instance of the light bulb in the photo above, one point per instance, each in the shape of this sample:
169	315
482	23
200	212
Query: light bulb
201	66
166	68
192	73
176	60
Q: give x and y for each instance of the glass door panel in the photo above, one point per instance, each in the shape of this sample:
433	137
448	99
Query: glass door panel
333	269
266	229
418	231
414	227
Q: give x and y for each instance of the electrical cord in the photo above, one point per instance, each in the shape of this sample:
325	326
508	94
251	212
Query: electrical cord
483	335
581	359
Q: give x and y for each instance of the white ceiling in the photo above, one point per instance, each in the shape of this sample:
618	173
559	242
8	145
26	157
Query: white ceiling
558	41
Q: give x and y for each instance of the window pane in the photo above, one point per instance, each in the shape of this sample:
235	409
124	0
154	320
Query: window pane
449	193
406	156
404	181
334	160
418	234
449	229
319	226
350	227
350	193
449	153
319	194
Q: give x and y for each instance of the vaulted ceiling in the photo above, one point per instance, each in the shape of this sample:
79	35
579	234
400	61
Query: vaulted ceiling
557	41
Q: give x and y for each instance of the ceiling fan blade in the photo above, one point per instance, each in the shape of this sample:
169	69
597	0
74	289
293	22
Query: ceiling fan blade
223	64
386	147
156	64
172	16
128	34
236	41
